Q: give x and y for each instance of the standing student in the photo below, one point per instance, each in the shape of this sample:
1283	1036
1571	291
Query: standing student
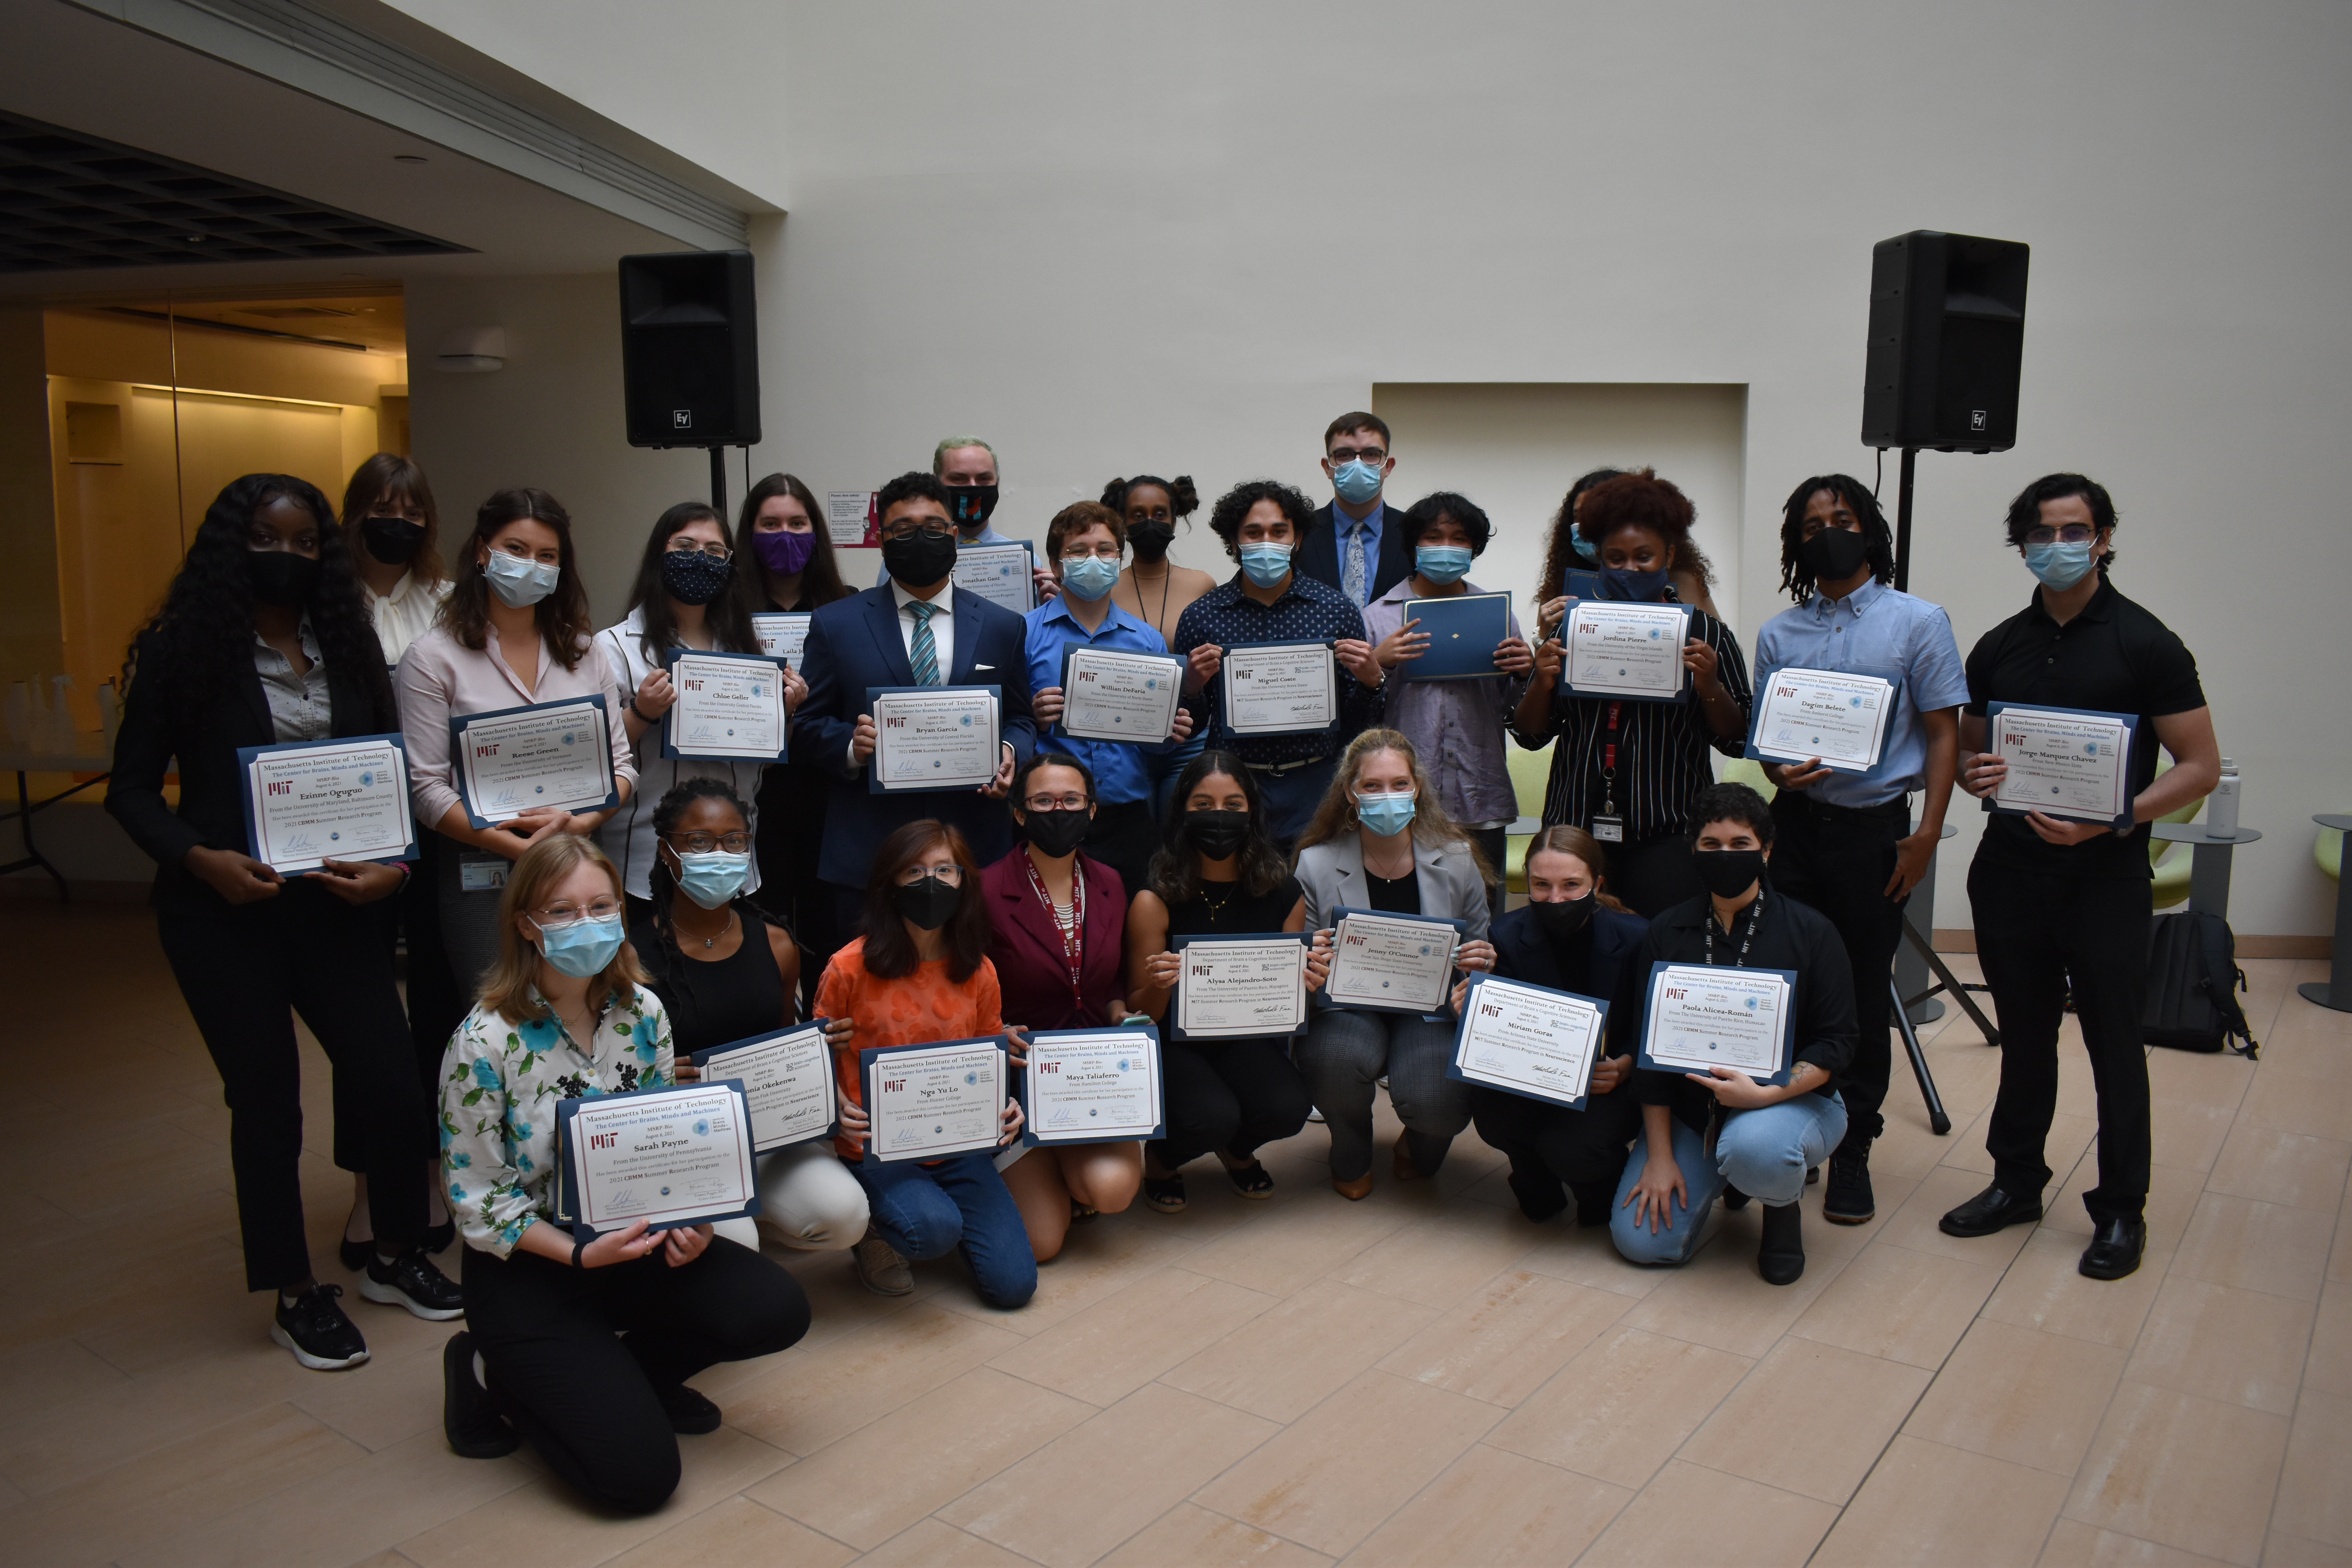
1845	843
1354	543
1057	919
1625	772
393	533
1382	841
1156	590
582	1345
1217	874
1567	551
966	465
2060	906
263	640
514	632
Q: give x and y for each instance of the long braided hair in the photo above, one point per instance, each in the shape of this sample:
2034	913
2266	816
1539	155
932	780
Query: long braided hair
662	886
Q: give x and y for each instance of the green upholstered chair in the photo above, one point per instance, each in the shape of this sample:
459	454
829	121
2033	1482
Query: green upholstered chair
2173	862
1530	775
2329	850
1749	772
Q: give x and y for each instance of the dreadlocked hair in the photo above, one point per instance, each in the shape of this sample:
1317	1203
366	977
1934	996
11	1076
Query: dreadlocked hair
662	886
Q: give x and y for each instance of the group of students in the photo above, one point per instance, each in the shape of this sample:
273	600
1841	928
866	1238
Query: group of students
562	954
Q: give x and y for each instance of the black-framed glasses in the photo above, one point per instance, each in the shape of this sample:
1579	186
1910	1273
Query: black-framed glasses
705	843
684	546
902	529
2072	533
1373	455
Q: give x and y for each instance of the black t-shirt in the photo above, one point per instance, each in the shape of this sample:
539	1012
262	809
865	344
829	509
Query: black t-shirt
1395	895
2116	658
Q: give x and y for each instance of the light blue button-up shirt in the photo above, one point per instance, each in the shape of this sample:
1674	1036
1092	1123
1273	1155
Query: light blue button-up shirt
1874	630
1117	765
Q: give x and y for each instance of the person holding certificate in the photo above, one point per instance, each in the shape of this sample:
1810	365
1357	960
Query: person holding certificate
2061	904
1625	771
263	640
1380	841
1845	843
581	1343
514	633
1692	575
1768	1135
1156	590
920	974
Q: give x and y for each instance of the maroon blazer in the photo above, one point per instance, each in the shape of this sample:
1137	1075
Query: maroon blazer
1026	948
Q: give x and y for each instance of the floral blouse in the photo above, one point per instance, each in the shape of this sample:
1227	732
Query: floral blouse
499	1088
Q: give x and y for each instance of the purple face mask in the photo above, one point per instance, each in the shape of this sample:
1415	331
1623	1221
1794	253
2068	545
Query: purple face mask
783	551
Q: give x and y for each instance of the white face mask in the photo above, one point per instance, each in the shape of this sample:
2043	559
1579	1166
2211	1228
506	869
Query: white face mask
519	582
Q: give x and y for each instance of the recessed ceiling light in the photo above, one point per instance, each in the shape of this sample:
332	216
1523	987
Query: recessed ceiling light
407	158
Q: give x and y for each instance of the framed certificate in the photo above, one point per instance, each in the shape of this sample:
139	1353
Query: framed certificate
730	707
782	633
1279	687
2072	763
1529	1040
1701	1017
1233	987
927	1102
1840	718
1092	1086
670	1157
1000	574
787	1079
1111	695
315	801
1632	652
1464	633
1391	963
511	759
933	737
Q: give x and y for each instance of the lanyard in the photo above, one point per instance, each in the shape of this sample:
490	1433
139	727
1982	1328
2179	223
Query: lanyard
1755	919
1609	765
1074	940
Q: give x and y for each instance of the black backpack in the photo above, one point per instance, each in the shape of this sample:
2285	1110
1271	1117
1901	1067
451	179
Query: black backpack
2193	980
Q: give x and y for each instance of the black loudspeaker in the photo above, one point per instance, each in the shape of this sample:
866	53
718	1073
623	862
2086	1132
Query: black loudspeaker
1947	340
690	349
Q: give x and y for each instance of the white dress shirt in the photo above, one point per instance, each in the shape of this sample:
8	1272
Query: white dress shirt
942	626
406	614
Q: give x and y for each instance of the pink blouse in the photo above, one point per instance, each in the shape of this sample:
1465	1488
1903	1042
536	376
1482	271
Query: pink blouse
440	678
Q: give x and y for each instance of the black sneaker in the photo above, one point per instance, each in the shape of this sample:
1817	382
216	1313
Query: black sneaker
1847	1199
690	1414
410	1281
468	1419
316	1330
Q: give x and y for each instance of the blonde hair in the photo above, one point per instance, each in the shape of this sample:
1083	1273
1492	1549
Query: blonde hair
508	988
1560	839
1430	824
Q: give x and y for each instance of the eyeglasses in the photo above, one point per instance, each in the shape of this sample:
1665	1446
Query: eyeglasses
1372	454
1056	803
2072	533
704	843
950	874
903	529
555	917
684	546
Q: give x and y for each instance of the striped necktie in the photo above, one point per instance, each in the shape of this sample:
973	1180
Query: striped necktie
923	653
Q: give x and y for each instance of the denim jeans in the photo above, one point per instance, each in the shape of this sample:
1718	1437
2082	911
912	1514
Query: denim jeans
1765	1153
928	1211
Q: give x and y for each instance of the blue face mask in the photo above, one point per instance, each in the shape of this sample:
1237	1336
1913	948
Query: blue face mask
713	878
1641	588
583	948
1384	813
520	582
1585	548
1089	577
1442	562
1266	564
1355	481
2060	566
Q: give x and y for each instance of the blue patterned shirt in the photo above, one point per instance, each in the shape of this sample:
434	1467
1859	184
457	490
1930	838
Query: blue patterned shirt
1307	611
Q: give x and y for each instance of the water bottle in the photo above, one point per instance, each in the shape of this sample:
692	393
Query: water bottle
2221	805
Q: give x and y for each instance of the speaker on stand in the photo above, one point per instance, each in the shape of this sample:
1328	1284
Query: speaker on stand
690	354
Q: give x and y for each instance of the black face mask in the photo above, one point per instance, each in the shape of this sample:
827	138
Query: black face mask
920	559
1727	873
1055	834
972	505
1834	555
280	577
927	902
1151	538
1219	835
1563	920
693	578
394	540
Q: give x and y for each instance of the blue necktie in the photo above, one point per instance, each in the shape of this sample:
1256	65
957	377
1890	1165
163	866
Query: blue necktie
923	654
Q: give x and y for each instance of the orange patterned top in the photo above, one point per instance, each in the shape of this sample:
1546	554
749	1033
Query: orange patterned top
915	1010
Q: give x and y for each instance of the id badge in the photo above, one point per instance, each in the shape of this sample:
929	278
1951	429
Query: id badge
1609	829
482	873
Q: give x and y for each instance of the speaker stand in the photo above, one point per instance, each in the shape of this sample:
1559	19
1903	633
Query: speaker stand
1903	519
719	480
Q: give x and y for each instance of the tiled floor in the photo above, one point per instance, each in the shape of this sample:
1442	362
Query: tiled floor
1421	1378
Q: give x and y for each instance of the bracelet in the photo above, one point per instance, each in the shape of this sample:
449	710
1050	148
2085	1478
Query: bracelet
579	1247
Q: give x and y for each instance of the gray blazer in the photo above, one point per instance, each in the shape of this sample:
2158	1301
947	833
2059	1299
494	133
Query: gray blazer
1332	873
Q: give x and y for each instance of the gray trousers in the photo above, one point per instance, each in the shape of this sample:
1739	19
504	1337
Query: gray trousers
1343	1058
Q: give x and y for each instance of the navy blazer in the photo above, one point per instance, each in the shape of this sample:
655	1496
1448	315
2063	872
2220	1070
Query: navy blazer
855	643
1320	556
1522	952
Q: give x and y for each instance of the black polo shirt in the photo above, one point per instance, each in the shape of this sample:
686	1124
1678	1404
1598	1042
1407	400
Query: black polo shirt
2115	656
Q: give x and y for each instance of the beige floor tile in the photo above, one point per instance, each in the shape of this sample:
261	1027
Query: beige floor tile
2321	1107
2186	1134
2279	1167
41	1377
1507	1338
1581	1256
2289	1552
2256	1245
122	1421
1437	1262
2019	1396
2328	1366
1899	1304
2044	1289
1318	1232
2181	1471
1622	1406
1494	1508
1097	1261
1284	1361
1105	1352
805	1400
1690	1515
2077	1545
2339	1252
2172	1197
2069	1136
2313	1503
1718	1299
1945	1188
1925	1505
2296	1052
2221	1079
2240	1346
1810	1418
1139	1459
1330	1477
398	1400
1192	1535
735	1533
928	1544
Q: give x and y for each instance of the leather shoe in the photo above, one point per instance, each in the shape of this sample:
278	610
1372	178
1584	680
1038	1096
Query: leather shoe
1355	1191
1991	1210
2115	1248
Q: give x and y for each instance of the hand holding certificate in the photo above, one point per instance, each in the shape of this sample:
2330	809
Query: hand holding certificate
1093	1086
729	706
1279	687
787	1079
927	1102
548	756
1804	714
2062	762
316	800
669	1157
1113	696
1701	1017
1231	987
1529	1040
1625	650
1463	633
933	737
1391	963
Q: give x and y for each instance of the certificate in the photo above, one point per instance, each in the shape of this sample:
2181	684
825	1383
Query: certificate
1391	963
927	1102
782	633
1279	687
787	1079
2063	762
513	760
932	737
1801	714
1529	1040
314	801
1701	1017
1464	633
729	705
1625	650
670	1157
1000	574
1112	695
1092	1086
1230	987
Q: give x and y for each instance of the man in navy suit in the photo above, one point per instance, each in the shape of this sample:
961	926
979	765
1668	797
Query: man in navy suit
1357	544
914	629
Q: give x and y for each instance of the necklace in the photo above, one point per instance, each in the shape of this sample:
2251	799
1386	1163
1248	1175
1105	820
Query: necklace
712	940
1167	586
1217	906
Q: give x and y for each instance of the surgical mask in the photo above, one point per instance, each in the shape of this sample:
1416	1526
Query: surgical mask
928	903
711	879
1564	919
1151	538
1585	548
280	577
783	551
2060	566
1266	564
1834	555
1384	813
920	559
1727	873
1442	562
1219	835
972	505
520	583
395	541
583	948
1089	577
1641	588
1355	481
693	578
1056	833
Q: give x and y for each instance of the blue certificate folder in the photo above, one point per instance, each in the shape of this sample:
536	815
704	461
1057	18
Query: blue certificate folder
1470	1006
1463	632
1146	1046
1318	1001
1650	1018
1179	943
567	1186
246	756
2134	739
874	1060
874	774
670	657
461	724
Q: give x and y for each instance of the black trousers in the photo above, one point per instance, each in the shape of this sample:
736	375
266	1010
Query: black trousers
435	1008
577	1358
1123	837
1233	1095
1550	1145
1654	875
1840	862
791	837
2040	935
245	972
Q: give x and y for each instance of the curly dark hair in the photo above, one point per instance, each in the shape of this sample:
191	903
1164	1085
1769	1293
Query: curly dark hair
1642	500
563	617
1732	801
1183	500
1794	576
821	580
2025	511
662	886
1560	556
729	615
1176	868
382	477
1225	518
199	643
909	485
889	952
1423	515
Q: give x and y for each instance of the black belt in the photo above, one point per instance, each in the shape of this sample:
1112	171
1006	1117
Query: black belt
1288	767
1898	809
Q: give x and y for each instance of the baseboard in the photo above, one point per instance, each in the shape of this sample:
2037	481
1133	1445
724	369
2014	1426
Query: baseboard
1962	939
37	888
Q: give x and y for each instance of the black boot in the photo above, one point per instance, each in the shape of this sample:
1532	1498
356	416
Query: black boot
1594	1203
1538	1193
1848	1199
1781	1259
